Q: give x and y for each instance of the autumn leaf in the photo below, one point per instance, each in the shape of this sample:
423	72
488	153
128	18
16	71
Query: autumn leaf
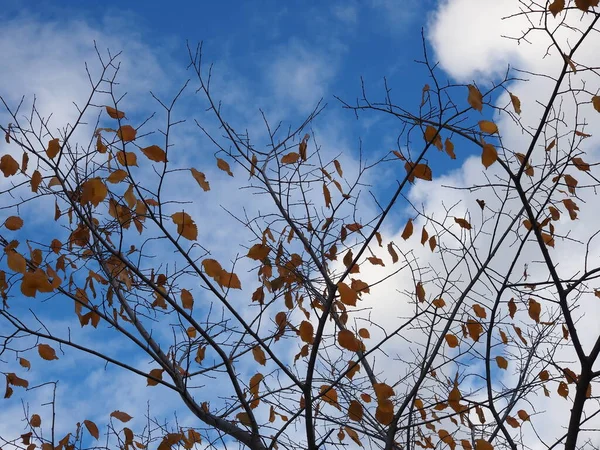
121	416
475	98
488	127
462	223
126	133
451	340
420	291
154	373
155	153
355	411
201	179
13	223
489	155
290	158
534	310
329	395
185	225
92	428
53	148
408	230
306	332
348	296
114	113
475	329
47	352
259	355
502	362
516	103
392	252
224	166
596	102
8	165
126	158
347	340
35	421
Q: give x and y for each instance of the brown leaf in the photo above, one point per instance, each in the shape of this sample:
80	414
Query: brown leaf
224	166
47	352
258	252
475	98
329	395
35	421
348	296
355	411
502	362
290	158
563	389
155	153
432	243
185	225
8	165
392	252
13	223
93	191
154	373
534	310
122	416
126	158
338	167
114	114
259	355
581	164
117	176
515	102
482	444
475	329
53	148
408	230
479	311
347	340
327	196
462	223
306	332
201	179
451	340
36	180
420	291
449	148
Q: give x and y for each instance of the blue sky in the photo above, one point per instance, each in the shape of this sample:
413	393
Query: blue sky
281	57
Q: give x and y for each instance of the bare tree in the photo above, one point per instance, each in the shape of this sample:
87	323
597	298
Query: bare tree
486	323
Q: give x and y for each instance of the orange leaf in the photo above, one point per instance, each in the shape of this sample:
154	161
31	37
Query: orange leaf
126	158
479	311
126	133
155	153
117	176
290	158
93	191
327	196
258	252
347	340
201	179
115	114
451	340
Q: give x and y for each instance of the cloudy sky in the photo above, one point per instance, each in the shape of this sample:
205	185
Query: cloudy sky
281	57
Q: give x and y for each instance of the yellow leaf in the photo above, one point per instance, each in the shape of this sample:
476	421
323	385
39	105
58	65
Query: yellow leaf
47	352
290	158
122	416
201	179
126	133
155	153
114	113
13	223
185	225
489	155
475	98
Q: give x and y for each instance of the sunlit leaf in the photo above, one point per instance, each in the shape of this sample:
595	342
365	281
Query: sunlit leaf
488	127
348	296
347	340
117	176
126	158
329	395
185	225
259	355
306	332
449	148
224	166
